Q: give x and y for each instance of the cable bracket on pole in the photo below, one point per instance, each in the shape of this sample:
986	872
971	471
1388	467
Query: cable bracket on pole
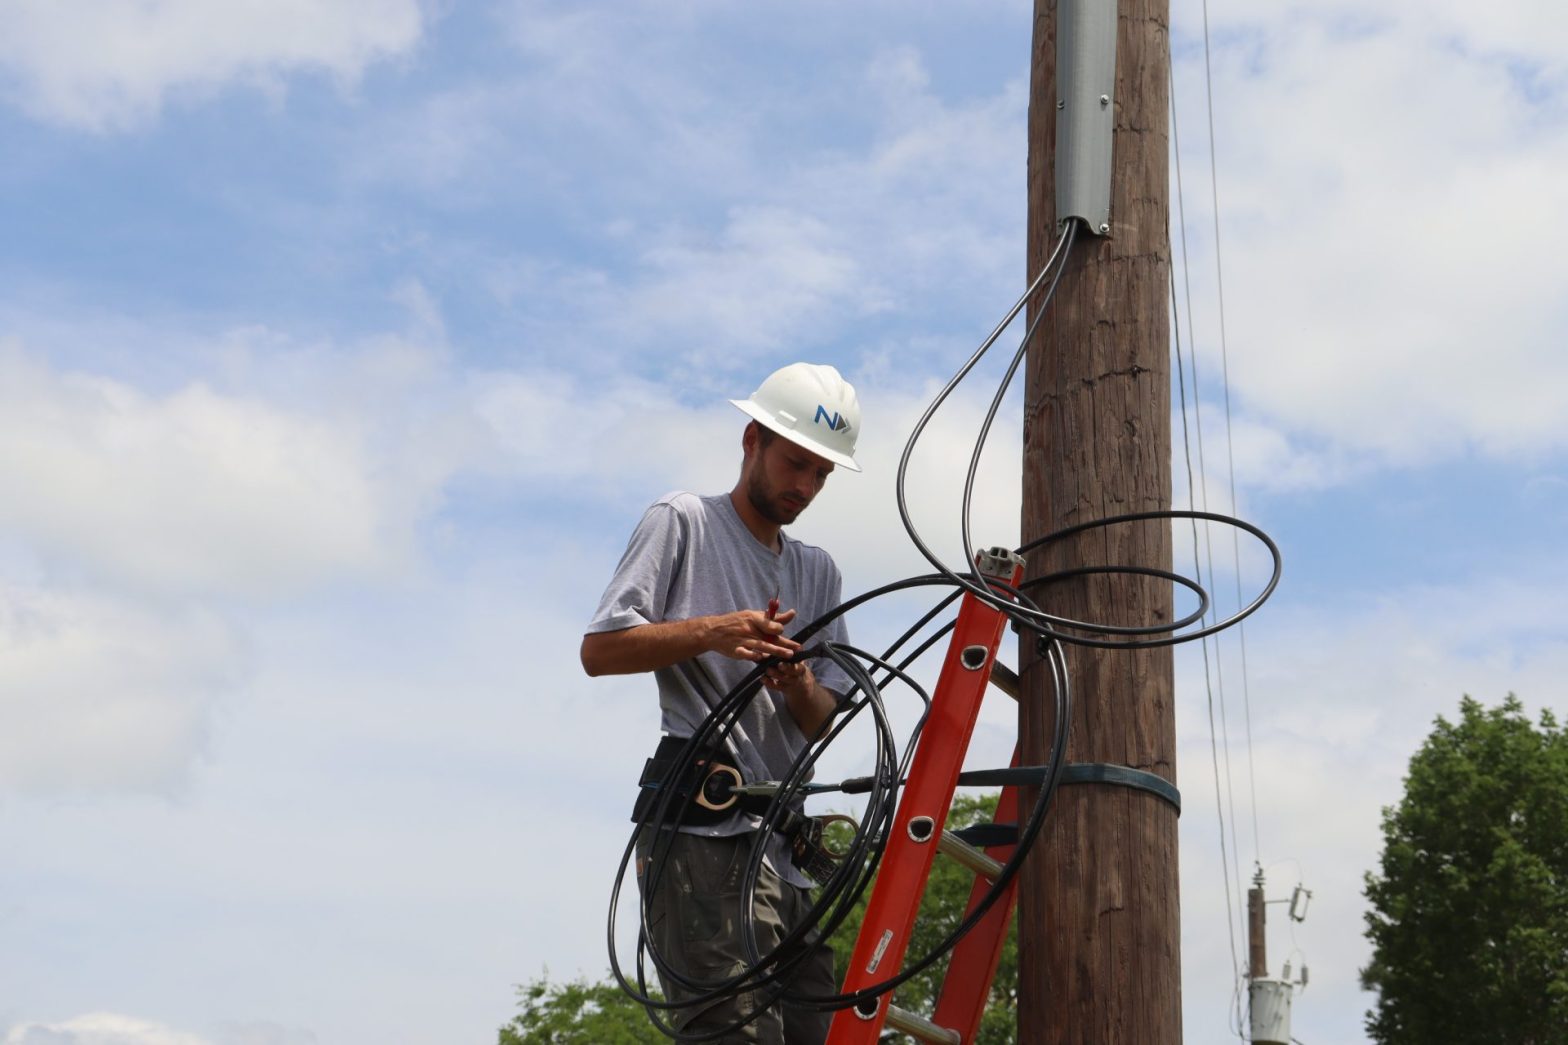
1085	111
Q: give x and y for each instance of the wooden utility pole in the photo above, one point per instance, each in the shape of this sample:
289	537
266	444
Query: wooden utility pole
1268	999
1099	919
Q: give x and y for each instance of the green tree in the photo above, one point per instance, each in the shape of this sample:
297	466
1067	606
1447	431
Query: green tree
1468	917
577	1013
583	1013
947	893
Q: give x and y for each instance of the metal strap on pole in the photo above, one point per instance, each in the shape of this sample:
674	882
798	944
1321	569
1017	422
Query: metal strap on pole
1122	776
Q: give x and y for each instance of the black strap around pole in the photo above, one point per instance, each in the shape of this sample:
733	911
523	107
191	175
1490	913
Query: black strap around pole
1078	773
1122	776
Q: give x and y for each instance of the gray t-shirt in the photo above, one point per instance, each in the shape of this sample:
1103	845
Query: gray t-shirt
692	556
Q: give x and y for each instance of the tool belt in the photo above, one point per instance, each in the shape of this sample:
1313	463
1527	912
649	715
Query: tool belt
705	795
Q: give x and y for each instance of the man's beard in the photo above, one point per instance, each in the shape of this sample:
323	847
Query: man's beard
774	509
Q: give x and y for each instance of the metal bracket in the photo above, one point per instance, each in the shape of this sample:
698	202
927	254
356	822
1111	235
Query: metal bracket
997	561
1085	110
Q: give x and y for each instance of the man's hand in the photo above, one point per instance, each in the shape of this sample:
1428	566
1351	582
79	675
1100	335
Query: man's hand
791	678
744	635
752	635
810	705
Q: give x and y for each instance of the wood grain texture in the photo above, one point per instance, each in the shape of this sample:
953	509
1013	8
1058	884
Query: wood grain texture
1099	913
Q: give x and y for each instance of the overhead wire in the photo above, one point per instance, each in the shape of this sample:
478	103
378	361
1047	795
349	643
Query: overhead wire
1230	921
1230	447
1231	474
1197	488
1234	903
1219	289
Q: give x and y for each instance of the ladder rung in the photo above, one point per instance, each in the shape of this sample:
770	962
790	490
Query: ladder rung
985	835
966	854
919	1027
1005	679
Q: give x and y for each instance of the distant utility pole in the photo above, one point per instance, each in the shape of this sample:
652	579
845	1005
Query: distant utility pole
1099	918
1268	999
1257	945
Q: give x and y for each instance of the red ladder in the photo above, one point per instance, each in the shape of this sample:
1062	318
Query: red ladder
916	834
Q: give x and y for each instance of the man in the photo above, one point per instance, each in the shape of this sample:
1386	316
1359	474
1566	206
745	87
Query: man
690	602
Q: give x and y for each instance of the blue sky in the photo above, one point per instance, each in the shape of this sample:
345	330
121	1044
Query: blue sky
342	343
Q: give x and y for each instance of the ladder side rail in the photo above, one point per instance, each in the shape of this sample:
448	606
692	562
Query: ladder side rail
922	809
966	988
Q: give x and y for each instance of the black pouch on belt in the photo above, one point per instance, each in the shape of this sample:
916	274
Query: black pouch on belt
809	854
703	792
711	776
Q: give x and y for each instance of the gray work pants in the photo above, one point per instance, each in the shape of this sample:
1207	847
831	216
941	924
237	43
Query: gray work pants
694	920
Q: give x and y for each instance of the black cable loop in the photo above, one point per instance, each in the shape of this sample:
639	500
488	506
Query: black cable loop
763	971
721	720
767	973
1054	658
1172	640
1026	839
865	851
974	586
1141	571
841	892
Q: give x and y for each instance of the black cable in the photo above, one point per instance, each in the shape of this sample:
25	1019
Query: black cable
1115	520
843	892
722	719
914	967
1053	268
768	974
753	974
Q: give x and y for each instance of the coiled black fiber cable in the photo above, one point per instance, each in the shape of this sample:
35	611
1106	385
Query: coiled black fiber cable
767	974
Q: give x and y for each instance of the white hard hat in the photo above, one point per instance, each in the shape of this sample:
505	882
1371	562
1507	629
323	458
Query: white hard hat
811	405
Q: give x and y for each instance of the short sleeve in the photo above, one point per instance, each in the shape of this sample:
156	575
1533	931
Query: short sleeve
829	675
639	589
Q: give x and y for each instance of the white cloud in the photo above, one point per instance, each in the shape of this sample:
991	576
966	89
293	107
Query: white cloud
1389	269
99	694
261	1033
1372	242
140	528
101	1028
193	490
599	435
607	90
1527	31
766	281
113	64
1340	697
636	440
706	304
718	247
775	279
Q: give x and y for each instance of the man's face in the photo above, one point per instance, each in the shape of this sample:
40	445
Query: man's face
783	478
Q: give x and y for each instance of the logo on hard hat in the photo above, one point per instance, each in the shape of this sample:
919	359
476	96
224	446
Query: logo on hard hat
835	422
